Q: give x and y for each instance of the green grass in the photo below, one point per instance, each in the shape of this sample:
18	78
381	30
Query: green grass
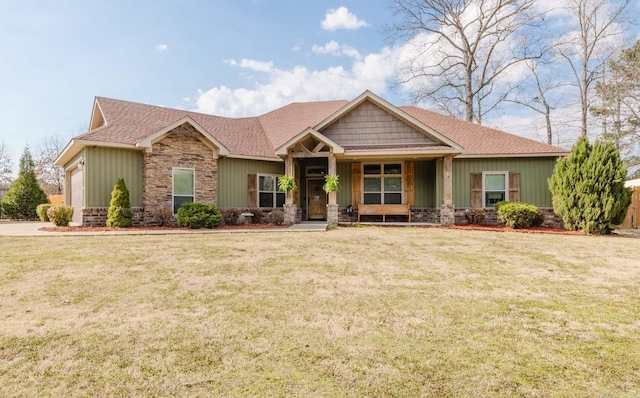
351	312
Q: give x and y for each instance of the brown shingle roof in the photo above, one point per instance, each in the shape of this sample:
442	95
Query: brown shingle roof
130	122
480	140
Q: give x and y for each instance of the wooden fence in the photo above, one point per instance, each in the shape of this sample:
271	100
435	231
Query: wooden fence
633	214
55	200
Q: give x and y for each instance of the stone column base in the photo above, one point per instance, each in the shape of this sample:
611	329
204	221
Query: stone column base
332	214
447	215
290	214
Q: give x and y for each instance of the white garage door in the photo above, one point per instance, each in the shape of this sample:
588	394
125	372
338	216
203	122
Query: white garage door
76	194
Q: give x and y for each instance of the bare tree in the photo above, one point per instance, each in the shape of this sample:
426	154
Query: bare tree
599	23
50	176
6	173
458	50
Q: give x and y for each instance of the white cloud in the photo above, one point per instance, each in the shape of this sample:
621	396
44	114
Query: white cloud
162	48
341	18
254	65
283	86
336	49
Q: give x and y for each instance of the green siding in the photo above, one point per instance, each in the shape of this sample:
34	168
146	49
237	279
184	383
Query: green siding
103	167
232	179
344	174
425	183
534	173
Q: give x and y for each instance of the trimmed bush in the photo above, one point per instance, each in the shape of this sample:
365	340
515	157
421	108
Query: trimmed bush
198	215
163	216
230	216
258	216
498	205
475	216
41	210
60	216
276	217
120	214
517	215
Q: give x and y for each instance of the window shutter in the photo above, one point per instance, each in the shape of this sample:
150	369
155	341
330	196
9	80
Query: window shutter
476	190
409	183
252	186
356	183
514	187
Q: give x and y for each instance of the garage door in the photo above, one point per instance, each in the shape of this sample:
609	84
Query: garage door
76	194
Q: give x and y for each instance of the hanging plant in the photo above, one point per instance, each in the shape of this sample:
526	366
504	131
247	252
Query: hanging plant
286	183
331	183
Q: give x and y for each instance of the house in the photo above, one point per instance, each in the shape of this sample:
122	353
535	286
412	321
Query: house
390	161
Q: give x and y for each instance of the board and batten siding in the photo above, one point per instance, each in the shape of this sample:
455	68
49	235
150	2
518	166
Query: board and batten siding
232	179
103	167
534	173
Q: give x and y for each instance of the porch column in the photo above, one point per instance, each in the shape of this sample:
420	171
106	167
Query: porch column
290	208
447	209
332	206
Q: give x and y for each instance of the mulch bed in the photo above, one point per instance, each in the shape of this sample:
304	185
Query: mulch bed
163	228
532	230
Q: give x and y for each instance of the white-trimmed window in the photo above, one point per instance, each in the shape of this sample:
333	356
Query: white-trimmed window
183	187
382	183
495	187
268	194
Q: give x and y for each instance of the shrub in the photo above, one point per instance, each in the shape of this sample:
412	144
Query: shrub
517	215
41	210
474	216
498	205
276	217
588	188
258	216
25	194
163	216
230	216
60	216
119	214
198	215
539	220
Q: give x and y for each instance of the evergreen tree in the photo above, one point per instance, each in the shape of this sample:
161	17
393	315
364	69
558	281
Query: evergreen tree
588	188
25	193
119	214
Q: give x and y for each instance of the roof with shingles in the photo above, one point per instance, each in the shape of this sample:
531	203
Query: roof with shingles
130	122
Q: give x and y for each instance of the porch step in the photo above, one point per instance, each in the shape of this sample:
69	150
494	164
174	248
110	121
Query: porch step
310	226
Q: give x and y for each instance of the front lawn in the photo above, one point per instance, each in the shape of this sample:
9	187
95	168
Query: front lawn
350	312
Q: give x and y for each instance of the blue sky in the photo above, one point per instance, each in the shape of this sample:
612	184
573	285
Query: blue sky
230	58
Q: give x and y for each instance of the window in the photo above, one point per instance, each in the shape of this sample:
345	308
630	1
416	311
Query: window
382	183
494	188
183	187
268	194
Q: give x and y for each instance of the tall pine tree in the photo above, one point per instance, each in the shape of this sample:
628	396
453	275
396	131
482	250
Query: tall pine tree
588	188
25	194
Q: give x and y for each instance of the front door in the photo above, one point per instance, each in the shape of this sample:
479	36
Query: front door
316	200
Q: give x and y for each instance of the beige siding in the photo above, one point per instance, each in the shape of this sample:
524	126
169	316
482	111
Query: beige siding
103	167
368	125
232	179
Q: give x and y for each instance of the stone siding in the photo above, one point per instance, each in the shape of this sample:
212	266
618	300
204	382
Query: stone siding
182	148
551	219
97	216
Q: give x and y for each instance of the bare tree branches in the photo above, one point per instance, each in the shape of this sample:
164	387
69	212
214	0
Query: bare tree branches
50	176
6	173
459	50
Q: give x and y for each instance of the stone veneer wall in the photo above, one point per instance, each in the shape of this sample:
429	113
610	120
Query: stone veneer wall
181	148
432	215
97	216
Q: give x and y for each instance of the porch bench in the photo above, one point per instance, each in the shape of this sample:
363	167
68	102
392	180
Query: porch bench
384	210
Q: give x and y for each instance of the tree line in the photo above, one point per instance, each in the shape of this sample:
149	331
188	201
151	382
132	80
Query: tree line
569	62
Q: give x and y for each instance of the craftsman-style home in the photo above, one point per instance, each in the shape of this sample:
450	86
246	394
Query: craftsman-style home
391	161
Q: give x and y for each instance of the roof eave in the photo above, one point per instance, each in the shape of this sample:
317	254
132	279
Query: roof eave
513	155
75	146
283	150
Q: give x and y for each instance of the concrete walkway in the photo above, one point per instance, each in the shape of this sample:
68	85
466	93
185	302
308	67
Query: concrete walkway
32	228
